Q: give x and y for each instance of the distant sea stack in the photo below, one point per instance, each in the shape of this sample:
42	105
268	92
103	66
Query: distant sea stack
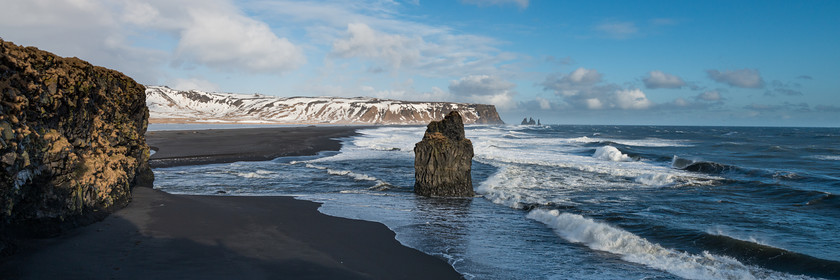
177	106
530	121
443	160
72	141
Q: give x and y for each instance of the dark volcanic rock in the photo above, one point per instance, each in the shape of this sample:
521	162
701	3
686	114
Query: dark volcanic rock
72	141
443	160
527	121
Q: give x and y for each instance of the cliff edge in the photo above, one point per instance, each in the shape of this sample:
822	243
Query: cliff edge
178	106
72	141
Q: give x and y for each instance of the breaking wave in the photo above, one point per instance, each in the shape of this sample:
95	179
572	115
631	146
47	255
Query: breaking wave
610	153
603	237
351	174
700	166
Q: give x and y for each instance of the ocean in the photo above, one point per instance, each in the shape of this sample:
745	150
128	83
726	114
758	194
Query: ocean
582	202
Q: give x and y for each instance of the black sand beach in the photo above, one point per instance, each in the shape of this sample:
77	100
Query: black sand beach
164	236
189	147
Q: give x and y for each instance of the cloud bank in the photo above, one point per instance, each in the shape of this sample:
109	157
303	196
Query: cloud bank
744	78
659	79
584	89
485	89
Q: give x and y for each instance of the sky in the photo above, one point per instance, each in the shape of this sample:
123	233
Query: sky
718	63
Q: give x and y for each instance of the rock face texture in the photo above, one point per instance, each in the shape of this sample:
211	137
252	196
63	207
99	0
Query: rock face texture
443	160
71	140
169	105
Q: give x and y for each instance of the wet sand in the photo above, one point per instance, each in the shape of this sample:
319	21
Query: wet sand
164	236
189	147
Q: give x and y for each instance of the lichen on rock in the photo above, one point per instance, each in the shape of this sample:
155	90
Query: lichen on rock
72	139
443	160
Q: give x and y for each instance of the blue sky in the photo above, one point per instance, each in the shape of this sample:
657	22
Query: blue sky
756	63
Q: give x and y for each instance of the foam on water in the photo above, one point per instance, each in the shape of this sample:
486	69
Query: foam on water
490	148
656	179
510	188
348	173
610	153
725	231
648	142
389	138
533	169
826	157
603	237
258	174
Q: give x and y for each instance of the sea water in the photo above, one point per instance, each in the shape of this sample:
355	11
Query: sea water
582	202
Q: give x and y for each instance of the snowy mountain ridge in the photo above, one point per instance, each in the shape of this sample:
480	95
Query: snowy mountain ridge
170	105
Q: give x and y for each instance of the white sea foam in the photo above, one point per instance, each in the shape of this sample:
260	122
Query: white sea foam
656	179
351	174
389	138
652	142
348	173
647	142
380	185
610	153
251	175
309	165
603	237
508	187
826	157
726	231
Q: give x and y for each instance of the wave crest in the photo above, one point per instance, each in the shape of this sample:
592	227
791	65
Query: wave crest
603	237
610	153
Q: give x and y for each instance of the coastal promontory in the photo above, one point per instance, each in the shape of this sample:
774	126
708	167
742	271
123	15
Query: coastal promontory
72	141
443	159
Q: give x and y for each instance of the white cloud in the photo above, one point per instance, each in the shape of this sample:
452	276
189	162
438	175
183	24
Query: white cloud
85	29
631	99
681	102
779	87
482	3
194	84
223	39
583	76
711	95
594	104
744	78
440	55
617	30
140	38
363	41
569	85
544	103
584	88
435	94
485	89
658	79
480	85
140	13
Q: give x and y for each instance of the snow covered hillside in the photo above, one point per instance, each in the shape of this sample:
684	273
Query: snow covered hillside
169	105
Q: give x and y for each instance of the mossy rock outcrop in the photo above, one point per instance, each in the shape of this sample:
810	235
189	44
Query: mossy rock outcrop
72	140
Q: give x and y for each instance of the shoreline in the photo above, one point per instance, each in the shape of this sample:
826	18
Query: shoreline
162	235
208	146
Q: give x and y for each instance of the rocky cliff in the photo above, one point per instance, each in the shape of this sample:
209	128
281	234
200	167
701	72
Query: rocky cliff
71	140
443	160
169	105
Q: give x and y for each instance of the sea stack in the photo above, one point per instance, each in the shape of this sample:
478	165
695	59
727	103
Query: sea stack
443	160
72	141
